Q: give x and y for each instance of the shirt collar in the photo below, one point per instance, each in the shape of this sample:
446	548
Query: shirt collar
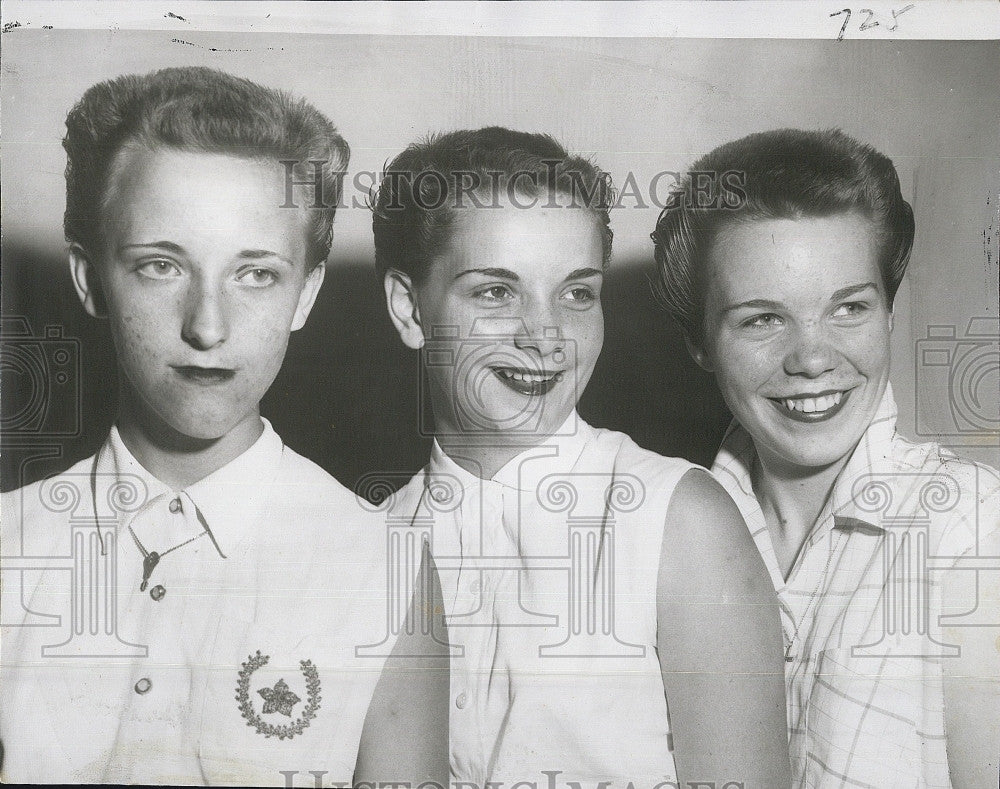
871	458
561	450
229	499
871	462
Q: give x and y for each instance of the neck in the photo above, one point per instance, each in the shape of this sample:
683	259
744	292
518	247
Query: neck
484	456
484	453
177	460
791	499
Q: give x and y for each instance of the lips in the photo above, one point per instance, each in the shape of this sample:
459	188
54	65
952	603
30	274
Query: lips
812	407
528	382
205	376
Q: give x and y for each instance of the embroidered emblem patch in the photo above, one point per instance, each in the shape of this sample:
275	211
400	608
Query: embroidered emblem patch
278	699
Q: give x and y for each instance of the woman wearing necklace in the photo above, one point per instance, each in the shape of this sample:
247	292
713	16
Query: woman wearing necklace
786	295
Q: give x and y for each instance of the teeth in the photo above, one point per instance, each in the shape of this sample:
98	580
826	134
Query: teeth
813	405
528	378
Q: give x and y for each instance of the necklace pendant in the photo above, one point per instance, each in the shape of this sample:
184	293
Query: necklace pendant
149	563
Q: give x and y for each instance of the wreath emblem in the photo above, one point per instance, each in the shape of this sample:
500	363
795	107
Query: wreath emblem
278	699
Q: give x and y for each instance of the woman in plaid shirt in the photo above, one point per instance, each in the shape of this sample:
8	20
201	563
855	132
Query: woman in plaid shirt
882	552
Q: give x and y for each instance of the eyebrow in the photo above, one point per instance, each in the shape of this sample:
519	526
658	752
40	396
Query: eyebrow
850	290
584	273
765	304
499	273
177	249
261	254
166	246
504	273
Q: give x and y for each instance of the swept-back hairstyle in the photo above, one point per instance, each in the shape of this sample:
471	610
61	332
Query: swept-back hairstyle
197	109
786	174
420	189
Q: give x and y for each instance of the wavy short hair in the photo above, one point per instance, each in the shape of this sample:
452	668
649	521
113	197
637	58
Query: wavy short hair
786	174
420	189
198	109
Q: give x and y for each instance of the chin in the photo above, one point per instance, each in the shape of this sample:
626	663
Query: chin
204	427
817	455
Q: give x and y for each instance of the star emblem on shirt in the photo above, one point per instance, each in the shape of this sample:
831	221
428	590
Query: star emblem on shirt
279	699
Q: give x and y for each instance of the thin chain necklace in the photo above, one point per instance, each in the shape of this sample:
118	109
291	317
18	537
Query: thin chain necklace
152	558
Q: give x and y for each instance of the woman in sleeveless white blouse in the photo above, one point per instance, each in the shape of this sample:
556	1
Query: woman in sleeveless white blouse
602	600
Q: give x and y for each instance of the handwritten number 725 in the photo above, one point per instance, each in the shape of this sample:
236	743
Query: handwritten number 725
868	23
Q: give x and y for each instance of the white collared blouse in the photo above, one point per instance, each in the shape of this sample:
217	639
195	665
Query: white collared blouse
235	665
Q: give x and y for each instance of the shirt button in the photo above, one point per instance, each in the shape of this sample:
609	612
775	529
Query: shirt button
143	686
461	701
175	505
157	592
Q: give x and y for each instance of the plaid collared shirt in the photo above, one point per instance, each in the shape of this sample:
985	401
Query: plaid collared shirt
861	607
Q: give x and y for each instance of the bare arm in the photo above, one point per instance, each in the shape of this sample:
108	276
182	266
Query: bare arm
972	679
719	643
405	736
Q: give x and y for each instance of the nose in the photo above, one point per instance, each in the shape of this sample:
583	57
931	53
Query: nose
811	354
540	331
206	322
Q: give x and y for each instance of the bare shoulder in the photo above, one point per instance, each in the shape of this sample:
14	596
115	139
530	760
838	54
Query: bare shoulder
706	539
702	513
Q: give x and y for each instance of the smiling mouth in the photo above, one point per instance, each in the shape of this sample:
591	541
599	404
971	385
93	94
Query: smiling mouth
812	407
528	382
206	376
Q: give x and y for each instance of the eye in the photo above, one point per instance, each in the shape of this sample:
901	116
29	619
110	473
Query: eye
581	294
767	320
258	277
851	309
159	269
493	294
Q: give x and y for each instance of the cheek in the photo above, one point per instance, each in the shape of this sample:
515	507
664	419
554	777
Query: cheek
876	350
740	368
267	343
586	331
263	318
139	336
867	351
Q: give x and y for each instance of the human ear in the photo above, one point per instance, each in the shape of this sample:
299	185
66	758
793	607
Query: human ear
87	281
699	354
401	300
307	296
